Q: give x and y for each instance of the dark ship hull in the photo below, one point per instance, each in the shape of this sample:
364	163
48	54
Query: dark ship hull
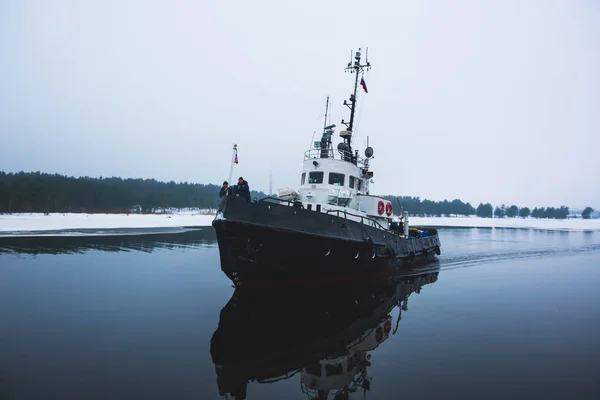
268	335
268	242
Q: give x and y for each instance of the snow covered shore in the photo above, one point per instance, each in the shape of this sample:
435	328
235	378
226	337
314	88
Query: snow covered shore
530	223
15	223
55	222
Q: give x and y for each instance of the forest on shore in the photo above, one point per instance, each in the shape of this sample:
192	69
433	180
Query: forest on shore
50	193
416	206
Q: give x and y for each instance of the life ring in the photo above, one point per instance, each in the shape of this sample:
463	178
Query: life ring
388	208
387	327
379	334
380	207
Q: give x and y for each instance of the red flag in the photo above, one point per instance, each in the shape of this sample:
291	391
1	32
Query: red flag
235	161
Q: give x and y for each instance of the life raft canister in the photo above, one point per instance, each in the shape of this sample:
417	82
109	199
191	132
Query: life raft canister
379	334
388	208
380	207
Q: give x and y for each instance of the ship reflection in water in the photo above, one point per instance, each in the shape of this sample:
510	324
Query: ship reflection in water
322	334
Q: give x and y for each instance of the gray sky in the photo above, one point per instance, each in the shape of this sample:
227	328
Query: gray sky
493	101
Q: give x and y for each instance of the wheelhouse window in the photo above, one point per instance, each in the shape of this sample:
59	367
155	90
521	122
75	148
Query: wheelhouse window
303	178
360	184
336	179
352	182
315	177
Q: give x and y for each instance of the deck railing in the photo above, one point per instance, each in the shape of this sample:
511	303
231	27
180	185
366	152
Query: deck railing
333	154
374	223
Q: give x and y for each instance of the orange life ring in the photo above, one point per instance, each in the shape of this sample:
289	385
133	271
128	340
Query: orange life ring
379	334
388	208
387	327
380	207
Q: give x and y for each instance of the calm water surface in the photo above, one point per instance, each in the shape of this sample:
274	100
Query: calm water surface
505	313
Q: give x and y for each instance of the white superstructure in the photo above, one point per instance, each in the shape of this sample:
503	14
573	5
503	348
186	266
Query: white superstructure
334	178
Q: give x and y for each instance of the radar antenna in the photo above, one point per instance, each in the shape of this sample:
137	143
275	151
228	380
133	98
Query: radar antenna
356	68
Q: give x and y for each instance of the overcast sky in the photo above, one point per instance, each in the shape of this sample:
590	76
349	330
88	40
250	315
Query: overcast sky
493	101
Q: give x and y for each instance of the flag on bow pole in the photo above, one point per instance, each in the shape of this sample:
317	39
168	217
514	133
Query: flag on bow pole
235	161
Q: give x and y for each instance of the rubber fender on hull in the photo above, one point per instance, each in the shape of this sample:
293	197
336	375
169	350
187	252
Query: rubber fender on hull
437	250
391	252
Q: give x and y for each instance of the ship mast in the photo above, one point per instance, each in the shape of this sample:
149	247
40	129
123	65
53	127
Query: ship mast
356	68
325	145
326	110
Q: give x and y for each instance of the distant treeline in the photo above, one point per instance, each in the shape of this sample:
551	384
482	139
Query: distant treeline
415	206
39	192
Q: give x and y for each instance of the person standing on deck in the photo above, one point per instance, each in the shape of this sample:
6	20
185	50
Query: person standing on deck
223	191
243	189
223	196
